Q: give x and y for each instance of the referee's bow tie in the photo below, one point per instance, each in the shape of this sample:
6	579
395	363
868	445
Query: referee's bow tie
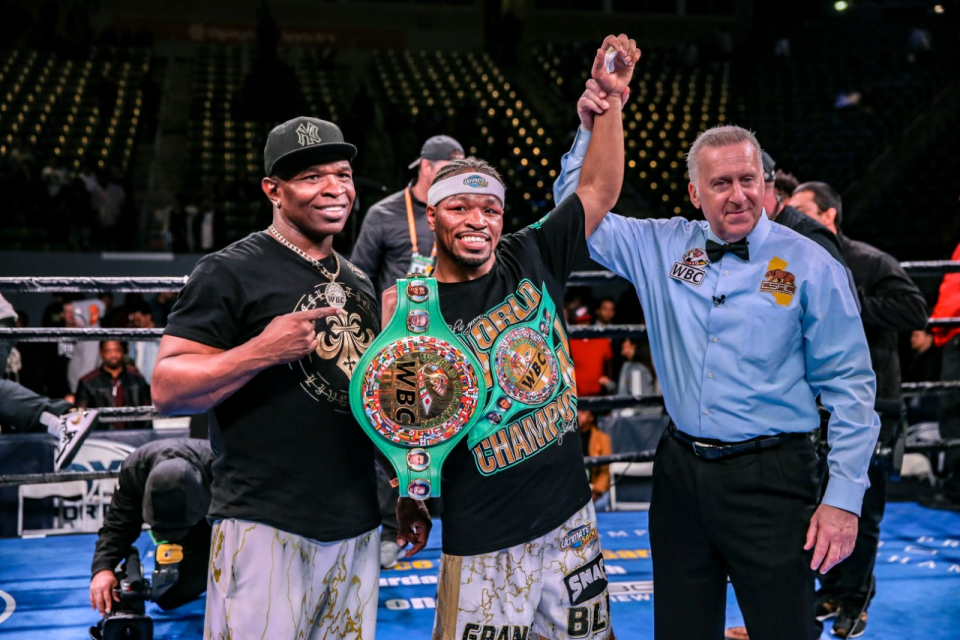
715	250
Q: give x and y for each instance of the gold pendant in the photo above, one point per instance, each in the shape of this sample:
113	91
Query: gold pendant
335	295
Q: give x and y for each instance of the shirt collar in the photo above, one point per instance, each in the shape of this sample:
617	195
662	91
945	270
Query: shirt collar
754	239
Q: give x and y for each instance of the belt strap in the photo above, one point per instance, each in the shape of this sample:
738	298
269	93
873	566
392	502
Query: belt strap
709	451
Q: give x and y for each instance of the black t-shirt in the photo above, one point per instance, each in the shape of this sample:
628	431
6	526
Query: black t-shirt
288	451
527	478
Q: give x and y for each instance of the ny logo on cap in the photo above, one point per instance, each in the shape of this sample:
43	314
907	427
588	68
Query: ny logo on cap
307	134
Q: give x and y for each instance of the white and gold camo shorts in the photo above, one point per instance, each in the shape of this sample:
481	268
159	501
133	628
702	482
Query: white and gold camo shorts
268	583
553	586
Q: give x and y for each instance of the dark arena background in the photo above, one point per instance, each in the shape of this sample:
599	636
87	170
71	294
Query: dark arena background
131	144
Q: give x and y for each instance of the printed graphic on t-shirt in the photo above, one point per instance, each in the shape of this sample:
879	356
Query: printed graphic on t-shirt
532	366
342	341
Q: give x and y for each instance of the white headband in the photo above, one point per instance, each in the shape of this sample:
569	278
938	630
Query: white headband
465	183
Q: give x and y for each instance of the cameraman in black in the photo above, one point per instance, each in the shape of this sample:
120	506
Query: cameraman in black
165	483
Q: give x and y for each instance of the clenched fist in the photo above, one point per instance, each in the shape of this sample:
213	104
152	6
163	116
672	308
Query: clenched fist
623	64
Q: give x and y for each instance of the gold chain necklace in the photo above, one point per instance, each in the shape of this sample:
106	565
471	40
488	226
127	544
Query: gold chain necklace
333	292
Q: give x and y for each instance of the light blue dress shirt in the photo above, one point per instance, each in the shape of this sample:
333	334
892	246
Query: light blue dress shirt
739	354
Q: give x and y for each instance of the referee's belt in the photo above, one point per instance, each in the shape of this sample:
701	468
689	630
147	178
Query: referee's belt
709	449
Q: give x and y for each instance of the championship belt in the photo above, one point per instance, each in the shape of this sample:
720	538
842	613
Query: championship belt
525	372
419	390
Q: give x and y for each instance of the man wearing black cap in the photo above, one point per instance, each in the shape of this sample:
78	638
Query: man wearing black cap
165	483
395	238
265	337
792	218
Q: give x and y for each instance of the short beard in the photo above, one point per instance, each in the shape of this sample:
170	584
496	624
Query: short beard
471	260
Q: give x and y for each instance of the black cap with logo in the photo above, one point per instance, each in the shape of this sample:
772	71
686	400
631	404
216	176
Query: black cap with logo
439	148
304	141
175	499
769	166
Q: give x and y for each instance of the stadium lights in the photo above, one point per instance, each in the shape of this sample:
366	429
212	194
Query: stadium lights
840	6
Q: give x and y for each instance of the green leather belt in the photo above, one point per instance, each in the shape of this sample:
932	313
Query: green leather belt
420	389
525	372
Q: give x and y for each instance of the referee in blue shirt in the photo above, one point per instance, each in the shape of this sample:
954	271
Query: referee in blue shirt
748	323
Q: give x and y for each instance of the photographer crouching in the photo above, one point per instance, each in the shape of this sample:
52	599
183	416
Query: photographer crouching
165	483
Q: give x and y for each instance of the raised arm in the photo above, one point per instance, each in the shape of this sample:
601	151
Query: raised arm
602	175
191	377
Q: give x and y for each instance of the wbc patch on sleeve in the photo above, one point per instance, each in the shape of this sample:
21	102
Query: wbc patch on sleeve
587	581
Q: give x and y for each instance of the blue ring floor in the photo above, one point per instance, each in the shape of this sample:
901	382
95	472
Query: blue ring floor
44	584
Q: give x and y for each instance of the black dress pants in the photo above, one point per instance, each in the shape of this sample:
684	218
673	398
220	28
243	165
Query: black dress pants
745	517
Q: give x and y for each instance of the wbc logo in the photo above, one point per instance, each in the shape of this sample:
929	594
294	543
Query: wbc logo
307	134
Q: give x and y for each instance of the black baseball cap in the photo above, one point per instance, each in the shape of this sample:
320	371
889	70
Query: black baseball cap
439	148
769	166
302	142
176	498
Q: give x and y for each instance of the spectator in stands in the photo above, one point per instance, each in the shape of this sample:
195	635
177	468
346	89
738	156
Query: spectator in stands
783	185
8	319
606	311
144	352
948	340
76	211
595	443
23	411
109	202
165	484
114	384
890	302
161	305
636	374
209	227
592	359
83	355
395	238
923	365
925	362
44	364
55	176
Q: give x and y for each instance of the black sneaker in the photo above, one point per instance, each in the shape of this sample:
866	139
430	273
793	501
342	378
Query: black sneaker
75	426
846	626
825	607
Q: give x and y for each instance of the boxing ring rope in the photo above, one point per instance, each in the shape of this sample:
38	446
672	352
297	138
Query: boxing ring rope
577	279
62	476
56	334
646	455
928	268
88	285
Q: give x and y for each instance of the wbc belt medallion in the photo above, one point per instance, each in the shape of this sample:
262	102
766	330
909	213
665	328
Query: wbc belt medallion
419	389
526	372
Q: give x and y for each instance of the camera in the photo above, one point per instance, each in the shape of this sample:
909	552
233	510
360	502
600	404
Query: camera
128	620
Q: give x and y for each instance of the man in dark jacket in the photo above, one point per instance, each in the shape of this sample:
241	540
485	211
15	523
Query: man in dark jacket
793	218
890	303
114	384
165	483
